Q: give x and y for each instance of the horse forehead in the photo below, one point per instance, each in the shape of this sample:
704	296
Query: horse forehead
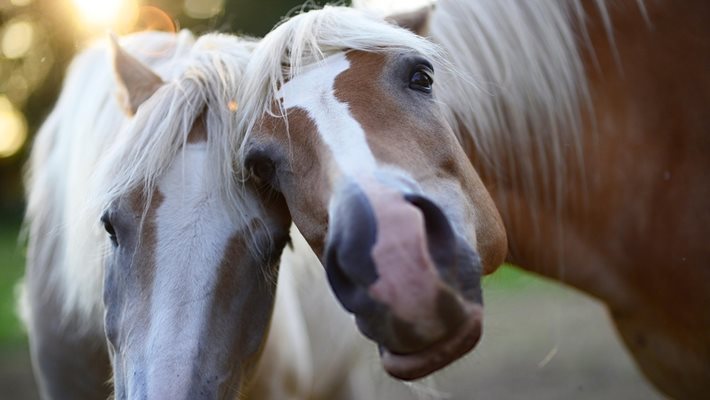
313	82
313	91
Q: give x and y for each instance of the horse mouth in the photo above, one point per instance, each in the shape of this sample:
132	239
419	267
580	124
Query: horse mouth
419	364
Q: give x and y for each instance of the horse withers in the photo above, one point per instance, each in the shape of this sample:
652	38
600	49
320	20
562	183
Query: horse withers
172	297
375	179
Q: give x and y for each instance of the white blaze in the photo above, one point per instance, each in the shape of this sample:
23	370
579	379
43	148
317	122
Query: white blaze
314	92
193	228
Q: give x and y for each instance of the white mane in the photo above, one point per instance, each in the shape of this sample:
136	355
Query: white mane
310	37
88	152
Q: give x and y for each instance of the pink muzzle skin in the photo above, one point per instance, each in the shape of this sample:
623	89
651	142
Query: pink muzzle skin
413	285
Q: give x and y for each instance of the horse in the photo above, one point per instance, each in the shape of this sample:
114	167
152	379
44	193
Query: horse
150	263
397	214
586	121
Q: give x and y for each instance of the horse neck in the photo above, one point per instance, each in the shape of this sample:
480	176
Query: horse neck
517	113
569	166
525	115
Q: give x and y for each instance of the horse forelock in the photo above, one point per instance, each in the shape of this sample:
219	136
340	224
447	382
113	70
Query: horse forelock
307	39
202	95
88	144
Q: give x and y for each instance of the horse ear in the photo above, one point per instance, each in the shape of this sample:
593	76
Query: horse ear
416	21
136	81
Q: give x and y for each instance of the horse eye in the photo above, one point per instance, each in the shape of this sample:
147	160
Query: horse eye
260	167
106	221
421	80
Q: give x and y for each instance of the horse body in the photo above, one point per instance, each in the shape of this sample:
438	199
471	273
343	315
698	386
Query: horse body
586	121
647	216
626	217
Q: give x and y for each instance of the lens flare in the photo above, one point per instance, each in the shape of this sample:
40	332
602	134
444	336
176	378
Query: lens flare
154	19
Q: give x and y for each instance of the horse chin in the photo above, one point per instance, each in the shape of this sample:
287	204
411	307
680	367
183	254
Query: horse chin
419	364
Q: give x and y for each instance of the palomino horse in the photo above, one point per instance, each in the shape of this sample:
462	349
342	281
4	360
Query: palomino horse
175	298
587	122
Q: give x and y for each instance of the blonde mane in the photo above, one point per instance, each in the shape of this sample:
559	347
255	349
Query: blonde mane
307	39
88	153
531	87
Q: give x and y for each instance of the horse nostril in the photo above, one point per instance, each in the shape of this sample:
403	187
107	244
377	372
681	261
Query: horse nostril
441	239
348	261
457	263
352	296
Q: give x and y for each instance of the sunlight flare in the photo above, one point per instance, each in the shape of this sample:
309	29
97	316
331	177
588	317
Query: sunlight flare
106	14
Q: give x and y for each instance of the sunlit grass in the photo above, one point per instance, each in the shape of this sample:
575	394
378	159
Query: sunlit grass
510	277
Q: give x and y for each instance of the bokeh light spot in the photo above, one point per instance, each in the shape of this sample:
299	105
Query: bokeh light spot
13	128
17	38
202	9
20	3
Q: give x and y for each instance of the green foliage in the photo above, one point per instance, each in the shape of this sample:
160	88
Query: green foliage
256	18
11	269
510	277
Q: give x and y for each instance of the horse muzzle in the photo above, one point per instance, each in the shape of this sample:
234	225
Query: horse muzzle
394	260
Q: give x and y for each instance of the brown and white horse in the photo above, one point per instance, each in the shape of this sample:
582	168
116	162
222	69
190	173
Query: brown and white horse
174	299
588	124
375	180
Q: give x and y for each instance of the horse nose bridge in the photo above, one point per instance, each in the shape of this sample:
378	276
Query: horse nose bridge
151	376
179	379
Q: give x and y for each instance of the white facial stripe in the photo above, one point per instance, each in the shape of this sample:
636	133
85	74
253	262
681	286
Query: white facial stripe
314	91
193	229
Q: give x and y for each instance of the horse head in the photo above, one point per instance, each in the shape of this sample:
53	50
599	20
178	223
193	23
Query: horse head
353	138
190	276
